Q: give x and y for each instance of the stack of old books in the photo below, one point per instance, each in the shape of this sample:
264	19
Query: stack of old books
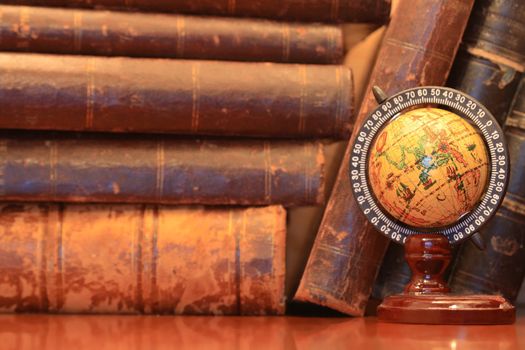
156	181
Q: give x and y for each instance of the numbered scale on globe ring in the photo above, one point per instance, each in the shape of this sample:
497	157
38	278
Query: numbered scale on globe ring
429	159
429	167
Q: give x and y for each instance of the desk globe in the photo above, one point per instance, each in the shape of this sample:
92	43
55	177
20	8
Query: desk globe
428	167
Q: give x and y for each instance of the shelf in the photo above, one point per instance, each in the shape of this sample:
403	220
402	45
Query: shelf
197	332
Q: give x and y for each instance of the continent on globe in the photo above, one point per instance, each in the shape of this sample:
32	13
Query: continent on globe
428	167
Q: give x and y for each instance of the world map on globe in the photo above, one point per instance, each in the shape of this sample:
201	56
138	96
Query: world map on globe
428	167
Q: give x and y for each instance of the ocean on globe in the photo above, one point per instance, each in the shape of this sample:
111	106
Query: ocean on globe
428	167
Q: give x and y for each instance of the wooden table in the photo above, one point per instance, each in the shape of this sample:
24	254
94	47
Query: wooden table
168	332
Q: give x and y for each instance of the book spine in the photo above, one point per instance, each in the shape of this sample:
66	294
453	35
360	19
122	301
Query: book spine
500	269
347	252
117	94
155	170
67	31
492	84
142	259
295	10
496	32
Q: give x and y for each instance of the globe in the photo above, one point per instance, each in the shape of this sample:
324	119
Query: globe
428	167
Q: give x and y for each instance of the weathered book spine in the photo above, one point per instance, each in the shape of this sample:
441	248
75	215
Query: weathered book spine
500	269
68	31
296	10
496	32
141	259
347	252
65	168
117	94
492	84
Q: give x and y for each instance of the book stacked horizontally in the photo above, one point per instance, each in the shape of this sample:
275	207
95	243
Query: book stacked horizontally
144	168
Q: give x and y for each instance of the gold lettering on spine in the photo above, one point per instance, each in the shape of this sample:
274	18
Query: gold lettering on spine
285	32
267	173
181	35
302	121
159	187
195	70
90	93
77	31
24	28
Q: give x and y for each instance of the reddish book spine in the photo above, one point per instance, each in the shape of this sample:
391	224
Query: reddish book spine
141	259
418	49
295	10
117	94
96	168
68	31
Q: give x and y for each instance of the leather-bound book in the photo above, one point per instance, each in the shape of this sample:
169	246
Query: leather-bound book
491	78
496	31
118	94
84	168
141	259
490	83
418	49
296	10
69	31
500	268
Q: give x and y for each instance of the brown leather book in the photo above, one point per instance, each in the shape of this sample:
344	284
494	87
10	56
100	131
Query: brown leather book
141	259
296	10
96	168
84	93
68	31
418	49
492	79
500	268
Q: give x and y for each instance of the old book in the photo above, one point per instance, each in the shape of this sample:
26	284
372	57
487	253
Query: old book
85	93
492	84
347	252
68	31
296	10
491	78
83	168
496	32
500	269
141	259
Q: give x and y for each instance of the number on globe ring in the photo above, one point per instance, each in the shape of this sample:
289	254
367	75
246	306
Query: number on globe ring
463	105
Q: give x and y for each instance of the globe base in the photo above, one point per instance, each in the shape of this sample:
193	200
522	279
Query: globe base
447	309
426	298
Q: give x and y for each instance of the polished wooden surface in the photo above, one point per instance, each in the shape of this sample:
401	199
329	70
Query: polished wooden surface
169	332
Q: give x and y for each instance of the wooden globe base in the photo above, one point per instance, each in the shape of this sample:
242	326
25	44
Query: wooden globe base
426	298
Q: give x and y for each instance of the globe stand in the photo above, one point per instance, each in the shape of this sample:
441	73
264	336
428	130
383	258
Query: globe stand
426	298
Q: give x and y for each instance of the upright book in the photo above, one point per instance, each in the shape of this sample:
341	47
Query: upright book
112	33
347	252
142	259
118	94
500	268
296	10
151	169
